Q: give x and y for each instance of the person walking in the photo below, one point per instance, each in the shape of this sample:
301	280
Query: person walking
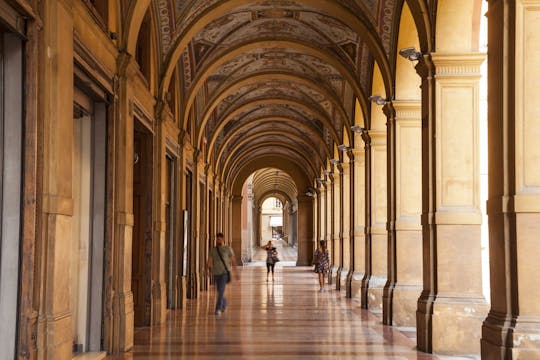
271	258
219	263
321	259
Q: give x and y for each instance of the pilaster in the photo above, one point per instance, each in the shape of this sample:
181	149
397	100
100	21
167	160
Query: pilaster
379	234
408	229
338	226
346	221
330	222
512	328
451	306
367	219
55	316
305	230
358	218
236	226
388	292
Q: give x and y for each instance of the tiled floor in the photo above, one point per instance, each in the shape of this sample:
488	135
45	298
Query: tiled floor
284	319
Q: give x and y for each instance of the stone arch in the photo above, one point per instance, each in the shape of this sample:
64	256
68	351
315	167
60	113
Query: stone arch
421	15
285	121
134	19
458	26
281	101
294	44
305	205
224	92
293	137
236	159
361	26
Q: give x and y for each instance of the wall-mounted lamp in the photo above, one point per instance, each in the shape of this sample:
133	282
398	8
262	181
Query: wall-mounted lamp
310	192
343	148
378	99
357	128
410	54
334	161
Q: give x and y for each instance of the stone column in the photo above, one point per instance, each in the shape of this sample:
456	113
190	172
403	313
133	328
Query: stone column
351	222
159	248
193	244
451	307
330	222
305	230
367	222
379	235
322	211
338	226
388	292
236	227
408	252
512	328
54	324
358	230
346	221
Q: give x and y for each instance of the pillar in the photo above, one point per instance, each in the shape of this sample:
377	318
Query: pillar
337	217
512	328
379	235
358	202
305	230
330	222
346	221
54	327
194	241
451	307
236	227
367	220
408	228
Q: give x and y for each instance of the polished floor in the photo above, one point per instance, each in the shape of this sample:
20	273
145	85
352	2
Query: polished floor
287	318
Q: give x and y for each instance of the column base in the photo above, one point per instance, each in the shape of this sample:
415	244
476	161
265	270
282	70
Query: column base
334	276
192	290
348	284
388	297
124	322
159	303
181	285
454	328
375	294
364	291
55	341
510	338
356	284
404	304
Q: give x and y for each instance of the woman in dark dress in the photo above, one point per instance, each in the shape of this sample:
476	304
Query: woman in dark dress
321	259
271	258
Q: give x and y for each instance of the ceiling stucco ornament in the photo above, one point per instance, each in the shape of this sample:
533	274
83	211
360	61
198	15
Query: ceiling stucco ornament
292	67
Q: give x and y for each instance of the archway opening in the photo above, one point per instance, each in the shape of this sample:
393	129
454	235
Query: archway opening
269	213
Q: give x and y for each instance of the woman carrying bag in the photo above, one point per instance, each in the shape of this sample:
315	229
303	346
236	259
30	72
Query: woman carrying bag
219	263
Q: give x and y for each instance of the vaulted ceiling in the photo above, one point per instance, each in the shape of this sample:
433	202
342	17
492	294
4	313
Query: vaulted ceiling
273	77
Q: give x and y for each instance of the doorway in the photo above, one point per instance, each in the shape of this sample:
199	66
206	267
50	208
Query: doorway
88	221
142	228
172	259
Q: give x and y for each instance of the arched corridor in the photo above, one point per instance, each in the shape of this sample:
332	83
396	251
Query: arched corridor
286	319
400	134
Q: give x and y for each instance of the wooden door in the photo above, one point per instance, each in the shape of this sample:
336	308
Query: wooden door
142	229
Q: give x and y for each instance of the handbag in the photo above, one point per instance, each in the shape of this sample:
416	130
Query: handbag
275	258
228	272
